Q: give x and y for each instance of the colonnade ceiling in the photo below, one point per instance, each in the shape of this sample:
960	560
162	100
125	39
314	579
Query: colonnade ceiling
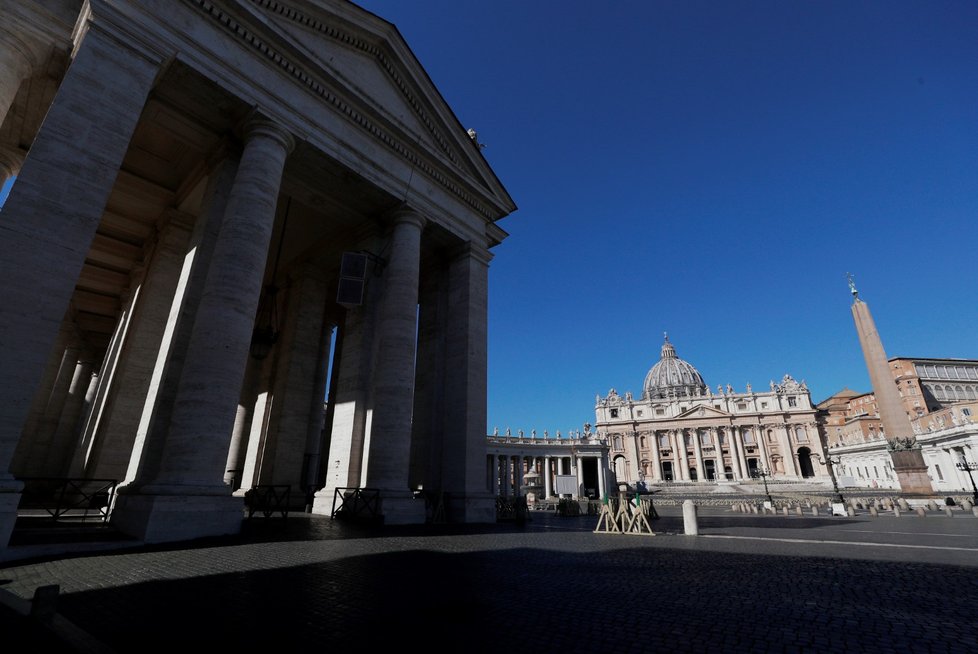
186	126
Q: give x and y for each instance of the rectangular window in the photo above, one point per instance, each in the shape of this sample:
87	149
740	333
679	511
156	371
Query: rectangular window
614	413
660	412
763	405
792	401
742	406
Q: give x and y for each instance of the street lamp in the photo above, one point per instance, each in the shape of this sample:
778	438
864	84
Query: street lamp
764	473
966	465
830	462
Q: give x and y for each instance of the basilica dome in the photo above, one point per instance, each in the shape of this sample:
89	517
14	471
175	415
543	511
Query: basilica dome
672	377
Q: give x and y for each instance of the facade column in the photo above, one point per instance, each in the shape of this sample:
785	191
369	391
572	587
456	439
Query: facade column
636	455
715	436
737	449
698	453
185	496
20	57
392	397
50	218
548	480
576	465
656	459
681	439
762	445
349	399
297	366
465	384
131	381
34	445
791	463
602	478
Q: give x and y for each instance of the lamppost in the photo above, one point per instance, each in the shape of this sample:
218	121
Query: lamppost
969	466
830	462
764	473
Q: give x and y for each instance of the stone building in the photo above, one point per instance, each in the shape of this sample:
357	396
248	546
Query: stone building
575	466
915	432
679	430
215	203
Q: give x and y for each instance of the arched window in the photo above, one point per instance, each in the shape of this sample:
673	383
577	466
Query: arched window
617	442
970	392
748	436
705	437
770	436
686	439
644	442
959	392
939	392
663	440
722	437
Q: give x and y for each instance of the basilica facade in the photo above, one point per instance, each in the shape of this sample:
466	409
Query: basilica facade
679	430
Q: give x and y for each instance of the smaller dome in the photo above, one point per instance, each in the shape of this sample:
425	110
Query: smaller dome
672	377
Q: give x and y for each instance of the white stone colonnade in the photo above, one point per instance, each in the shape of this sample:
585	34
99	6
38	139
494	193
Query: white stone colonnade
171	252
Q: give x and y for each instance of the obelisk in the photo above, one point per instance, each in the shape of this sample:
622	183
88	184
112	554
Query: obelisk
908	462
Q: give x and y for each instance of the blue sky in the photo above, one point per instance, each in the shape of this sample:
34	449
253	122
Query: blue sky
713	170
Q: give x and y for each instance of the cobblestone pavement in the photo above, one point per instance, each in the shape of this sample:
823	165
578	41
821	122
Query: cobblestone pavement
747	583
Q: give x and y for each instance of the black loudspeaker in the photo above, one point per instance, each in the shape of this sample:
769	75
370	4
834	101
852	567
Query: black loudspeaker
353	270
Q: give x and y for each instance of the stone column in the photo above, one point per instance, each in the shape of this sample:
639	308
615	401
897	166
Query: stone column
352	368
762	446
187	496
791	463
656	459
34	444
548	483
576	463
602	478
50	218
392	395
20	57
133	374
698	454
465	382
296	365
635	458
737	448
715	436
681	438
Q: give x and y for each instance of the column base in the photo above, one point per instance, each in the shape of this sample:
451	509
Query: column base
472	508
176	517
402	508
9	500
322	501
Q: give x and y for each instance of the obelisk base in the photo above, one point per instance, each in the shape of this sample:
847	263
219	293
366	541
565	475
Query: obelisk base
911	472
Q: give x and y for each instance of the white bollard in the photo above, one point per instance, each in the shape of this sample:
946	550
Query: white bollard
689	518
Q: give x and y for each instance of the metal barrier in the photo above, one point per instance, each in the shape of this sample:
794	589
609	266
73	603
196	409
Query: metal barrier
353	503
67	498
268	499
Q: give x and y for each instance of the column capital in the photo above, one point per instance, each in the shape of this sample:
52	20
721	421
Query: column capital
405	213
257	125
471	250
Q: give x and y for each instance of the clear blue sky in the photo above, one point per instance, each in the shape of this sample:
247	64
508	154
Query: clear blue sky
713	169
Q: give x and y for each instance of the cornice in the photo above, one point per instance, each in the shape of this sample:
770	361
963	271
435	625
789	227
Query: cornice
306	78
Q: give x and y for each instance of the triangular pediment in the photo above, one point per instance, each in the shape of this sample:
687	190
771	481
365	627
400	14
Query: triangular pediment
363	65
703	411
